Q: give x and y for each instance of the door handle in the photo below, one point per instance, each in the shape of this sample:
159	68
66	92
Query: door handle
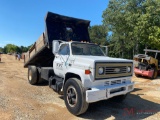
56	56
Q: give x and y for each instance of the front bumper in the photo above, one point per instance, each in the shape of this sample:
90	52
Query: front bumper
106	92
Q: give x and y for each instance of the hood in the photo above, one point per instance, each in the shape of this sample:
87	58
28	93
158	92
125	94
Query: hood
101	59
89	61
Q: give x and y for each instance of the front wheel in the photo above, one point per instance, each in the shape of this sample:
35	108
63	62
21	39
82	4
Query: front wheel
74	96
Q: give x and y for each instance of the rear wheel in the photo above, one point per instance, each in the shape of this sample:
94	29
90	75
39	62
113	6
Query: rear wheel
74	96
33	75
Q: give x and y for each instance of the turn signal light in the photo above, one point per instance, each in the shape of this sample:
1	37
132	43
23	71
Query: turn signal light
87	71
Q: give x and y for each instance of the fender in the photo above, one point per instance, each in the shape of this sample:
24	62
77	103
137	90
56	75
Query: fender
85	78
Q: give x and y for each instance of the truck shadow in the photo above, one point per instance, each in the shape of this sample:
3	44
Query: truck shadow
43	83
133	107
136	89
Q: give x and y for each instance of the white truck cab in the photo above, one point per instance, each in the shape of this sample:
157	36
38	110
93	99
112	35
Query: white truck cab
89	75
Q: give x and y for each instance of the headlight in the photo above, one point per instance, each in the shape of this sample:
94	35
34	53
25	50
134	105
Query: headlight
128	69
101	70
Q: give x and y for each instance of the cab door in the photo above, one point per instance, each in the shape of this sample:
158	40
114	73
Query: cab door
60	63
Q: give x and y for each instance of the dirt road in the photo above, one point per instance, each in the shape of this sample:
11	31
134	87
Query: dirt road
21	101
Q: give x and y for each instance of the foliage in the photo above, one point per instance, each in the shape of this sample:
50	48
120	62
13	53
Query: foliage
1	49
11	48
98	34
135	24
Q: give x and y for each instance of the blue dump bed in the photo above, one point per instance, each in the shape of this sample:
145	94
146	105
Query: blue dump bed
57	27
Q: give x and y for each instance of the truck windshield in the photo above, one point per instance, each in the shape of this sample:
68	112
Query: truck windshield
86	49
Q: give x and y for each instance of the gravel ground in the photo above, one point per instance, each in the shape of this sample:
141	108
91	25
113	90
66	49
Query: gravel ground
21	101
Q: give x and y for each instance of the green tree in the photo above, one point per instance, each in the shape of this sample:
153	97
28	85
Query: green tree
1	49
23	49
10	48
114	18
134	25
98	34
148	24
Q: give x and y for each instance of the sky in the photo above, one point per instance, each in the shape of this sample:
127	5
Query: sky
22	21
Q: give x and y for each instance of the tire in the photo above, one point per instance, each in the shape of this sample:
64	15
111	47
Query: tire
39	80
154	76
74	96
32	75
119	98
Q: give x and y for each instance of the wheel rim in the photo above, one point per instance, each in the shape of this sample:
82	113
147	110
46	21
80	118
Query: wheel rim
30	75
72	96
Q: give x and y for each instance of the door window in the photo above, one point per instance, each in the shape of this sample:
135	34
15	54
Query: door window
64	49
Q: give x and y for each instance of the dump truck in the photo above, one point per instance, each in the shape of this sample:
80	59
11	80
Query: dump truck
147	64
74	67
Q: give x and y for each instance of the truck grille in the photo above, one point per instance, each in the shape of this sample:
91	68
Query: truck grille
113	70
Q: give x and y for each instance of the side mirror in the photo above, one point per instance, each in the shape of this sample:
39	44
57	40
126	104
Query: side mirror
55	46
105	50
